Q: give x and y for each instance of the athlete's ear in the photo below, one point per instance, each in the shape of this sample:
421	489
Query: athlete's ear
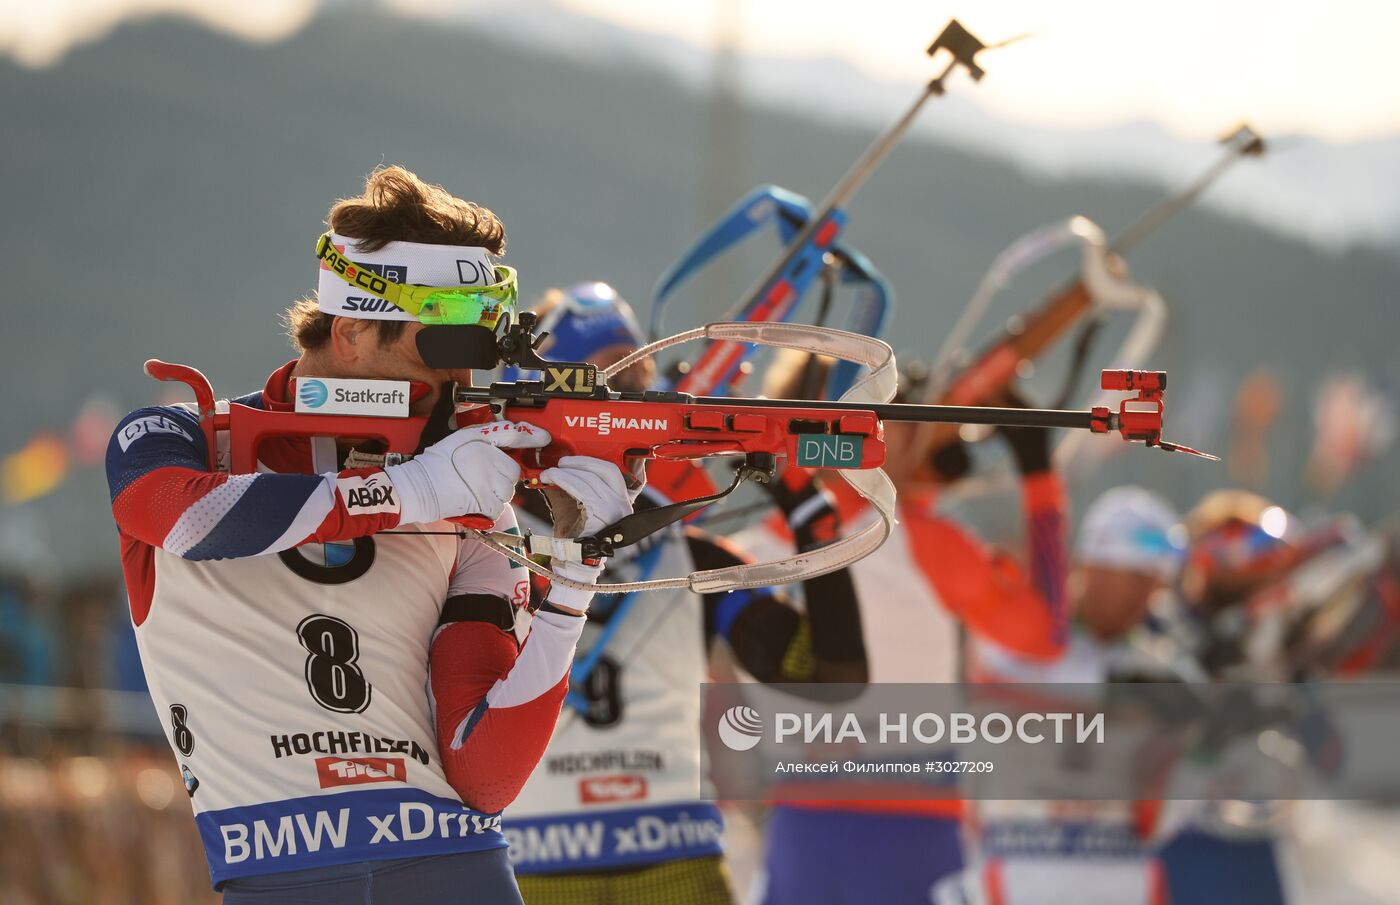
348	339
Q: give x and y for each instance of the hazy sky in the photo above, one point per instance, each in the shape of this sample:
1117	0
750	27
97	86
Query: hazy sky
1287	66
1328	69
38	32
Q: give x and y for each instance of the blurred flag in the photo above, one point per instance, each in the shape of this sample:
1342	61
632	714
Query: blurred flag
173	394
1355	423
1257	406
33	471
92	428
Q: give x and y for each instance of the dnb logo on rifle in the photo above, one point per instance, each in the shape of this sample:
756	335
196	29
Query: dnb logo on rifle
355	771
830	451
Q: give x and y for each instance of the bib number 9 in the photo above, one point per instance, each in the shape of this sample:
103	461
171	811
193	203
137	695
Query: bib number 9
331	674
603	692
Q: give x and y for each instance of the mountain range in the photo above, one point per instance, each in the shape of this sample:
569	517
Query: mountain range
165	187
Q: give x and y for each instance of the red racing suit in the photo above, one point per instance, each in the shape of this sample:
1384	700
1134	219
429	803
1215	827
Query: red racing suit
332	694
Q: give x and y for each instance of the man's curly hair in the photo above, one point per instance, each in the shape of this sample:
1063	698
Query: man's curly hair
396	206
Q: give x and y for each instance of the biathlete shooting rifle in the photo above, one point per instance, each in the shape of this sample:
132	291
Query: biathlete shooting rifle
583	417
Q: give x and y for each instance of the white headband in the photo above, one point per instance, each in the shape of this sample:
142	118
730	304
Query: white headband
400	262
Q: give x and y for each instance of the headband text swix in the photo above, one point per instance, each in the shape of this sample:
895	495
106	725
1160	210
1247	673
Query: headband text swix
375	285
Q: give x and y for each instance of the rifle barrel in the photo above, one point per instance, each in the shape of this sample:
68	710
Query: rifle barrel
842	193
859	171
1080	419
1169	207
1074	419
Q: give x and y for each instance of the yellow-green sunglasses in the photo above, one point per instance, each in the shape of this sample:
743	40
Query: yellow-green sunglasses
433	305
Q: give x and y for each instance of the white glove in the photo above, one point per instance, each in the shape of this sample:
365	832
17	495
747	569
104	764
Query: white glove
585	496
465	473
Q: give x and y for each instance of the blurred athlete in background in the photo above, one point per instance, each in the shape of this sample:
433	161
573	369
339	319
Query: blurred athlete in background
1240	546
614	813
928	579
1129	550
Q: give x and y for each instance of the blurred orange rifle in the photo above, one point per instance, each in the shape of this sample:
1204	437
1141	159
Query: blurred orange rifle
984	381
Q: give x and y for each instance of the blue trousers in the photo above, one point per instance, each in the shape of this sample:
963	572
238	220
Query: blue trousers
471	878
851	858
1203	869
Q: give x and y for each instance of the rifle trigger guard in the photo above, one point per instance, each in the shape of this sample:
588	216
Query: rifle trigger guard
630	529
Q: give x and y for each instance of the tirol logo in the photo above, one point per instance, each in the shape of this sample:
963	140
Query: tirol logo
354	771
620	787
740	728
312	393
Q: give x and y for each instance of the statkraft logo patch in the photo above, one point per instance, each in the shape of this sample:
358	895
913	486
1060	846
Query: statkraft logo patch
368	495
344	396
356	771
620	787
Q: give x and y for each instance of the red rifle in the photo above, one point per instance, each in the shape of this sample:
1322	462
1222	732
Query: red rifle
583	417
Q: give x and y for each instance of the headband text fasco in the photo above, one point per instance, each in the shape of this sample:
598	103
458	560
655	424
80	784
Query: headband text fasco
461	304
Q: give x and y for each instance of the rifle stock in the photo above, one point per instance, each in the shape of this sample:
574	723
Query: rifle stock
996	366
983	381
